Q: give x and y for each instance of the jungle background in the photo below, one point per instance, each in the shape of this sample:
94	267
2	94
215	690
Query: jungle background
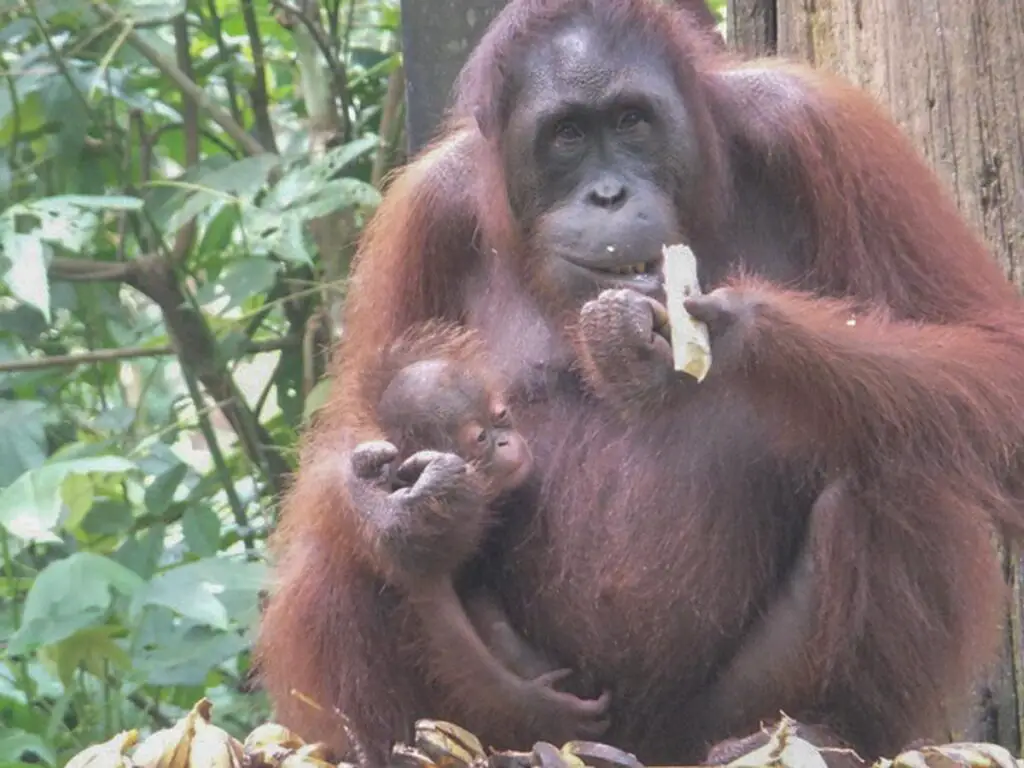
182	183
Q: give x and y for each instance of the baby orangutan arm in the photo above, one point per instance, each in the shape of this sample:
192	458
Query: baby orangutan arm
475	676
498	634
455	655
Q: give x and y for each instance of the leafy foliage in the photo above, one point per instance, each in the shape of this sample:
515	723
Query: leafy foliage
181	184
169	170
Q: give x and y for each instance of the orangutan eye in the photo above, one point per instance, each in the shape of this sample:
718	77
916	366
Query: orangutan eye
630	118
501	417
567	131
482	436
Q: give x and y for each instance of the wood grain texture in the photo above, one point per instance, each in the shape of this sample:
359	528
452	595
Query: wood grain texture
951	72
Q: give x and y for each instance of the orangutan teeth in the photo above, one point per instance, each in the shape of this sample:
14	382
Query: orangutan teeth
631	269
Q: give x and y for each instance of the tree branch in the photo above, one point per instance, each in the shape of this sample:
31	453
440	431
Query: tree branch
186	236
197	351
222	49
258	93
96	356
336	67
80	271
390	125
182	81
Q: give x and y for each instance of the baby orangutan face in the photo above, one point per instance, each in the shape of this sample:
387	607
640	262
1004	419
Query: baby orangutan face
447	405
489	440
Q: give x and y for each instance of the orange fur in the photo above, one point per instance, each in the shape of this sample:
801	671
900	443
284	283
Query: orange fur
652	545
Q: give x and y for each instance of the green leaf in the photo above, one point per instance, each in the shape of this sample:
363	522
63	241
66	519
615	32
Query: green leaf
186	655
193	599
160	493
29	230
90	649
60	221
141	553
196	590
316	398
69	595
17	30
15	744
239	282
271	232
290	243
196	204
22	438
30	110
27	259
77	494
22	321
30	506
201	528
98	202
308	180
107	517
243	177
219	231
337	195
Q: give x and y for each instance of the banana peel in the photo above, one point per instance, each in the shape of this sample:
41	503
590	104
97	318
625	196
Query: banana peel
195	742
448	745
169	747
109	754
271	735
213	747
192	742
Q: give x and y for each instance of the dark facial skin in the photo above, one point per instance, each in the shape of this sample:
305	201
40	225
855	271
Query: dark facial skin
599	142
602	165
451	410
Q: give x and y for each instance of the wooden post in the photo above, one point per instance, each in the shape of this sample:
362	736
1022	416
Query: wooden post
952	75
437	35
751	27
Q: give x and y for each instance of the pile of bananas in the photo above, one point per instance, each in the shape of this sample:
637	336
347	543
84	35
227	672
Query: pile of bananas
442	745
194	742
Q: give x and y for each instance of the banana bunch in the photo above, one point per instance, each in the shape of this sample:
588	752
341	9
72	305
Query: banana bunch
442	745
437	744
194	742
274	746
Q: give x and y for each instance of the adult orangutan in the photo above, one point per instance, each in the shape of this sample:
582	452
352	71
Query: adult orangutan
808	529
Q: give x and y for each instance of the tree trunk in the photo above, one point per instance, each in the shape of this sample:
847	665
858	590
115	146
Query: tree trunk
752	27
951	73
437	37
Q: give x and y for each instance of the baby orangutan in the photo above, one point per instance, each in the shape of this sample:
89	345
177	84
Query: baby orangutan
450	451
